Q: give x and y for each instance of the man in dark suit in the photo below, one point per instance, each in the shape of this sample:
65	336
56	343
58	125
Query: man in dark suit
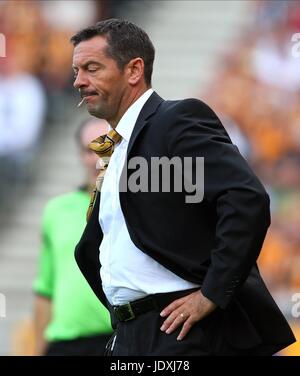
178	274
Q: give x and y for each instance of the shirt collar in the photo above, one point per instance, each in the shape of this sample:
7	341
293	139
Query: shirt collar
128	120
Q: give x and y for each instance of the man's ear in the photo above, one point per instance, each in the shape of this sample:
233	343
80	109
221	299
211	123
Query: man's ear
135	69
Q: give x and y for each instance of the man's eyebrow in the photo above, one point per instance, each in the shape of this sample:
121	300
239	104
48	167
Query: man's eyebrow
89	62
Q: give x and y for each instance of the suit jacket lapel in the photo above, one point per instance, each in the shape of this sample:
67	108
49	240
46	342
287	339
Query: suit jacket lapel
87	252
148	109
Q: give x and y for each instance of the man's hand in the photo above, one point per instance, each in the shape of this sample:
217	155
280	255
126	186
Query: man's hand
187	311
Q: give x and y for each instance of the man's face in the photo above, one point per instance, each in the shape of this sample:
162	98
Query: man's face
98	78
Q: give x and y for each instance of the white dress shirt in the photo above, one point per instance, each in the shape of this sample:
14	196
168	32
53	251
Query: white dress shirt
127	273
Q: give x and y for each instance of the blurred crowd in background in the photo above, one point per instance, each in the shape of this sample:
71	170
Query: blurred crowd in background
256	93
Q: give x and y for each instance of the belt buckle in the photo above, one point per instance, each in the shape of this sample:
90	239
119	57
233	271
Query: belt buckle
132	315
119	311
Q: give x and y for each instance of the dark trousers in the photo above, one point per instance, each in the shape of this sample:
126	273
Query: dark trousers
93	345
142	336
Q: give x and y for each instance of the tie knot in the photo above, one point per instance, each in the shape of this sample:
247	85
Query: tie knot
114	136
104	145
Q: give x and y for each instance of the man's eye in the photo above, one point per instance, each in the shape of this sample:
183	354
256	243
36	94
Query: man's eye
92	70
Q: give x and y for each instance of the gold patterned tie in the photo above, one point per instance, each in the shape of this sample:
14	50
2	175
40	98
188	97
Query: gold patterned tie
103	146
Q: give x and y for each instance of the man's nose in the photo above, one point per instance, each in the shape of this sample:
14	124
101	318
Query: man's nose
80	80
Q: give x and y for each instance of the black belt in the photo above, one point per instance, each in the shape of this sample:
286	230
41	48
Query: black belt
157	302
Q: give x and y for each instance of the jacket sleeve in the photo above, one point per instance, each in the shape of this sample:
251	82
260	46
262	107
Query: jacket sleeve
231	189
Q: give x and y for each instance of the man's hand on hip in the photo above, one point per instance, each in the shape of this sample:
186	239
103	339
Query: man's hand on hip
186	311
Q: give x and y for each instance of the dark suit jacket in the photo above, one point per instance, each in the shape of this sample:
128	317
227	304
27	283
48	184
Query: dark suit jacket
215	242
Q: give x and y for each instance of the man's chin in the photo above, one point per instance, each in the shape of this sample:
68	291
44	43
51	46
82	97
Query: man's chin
91	109
94	111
